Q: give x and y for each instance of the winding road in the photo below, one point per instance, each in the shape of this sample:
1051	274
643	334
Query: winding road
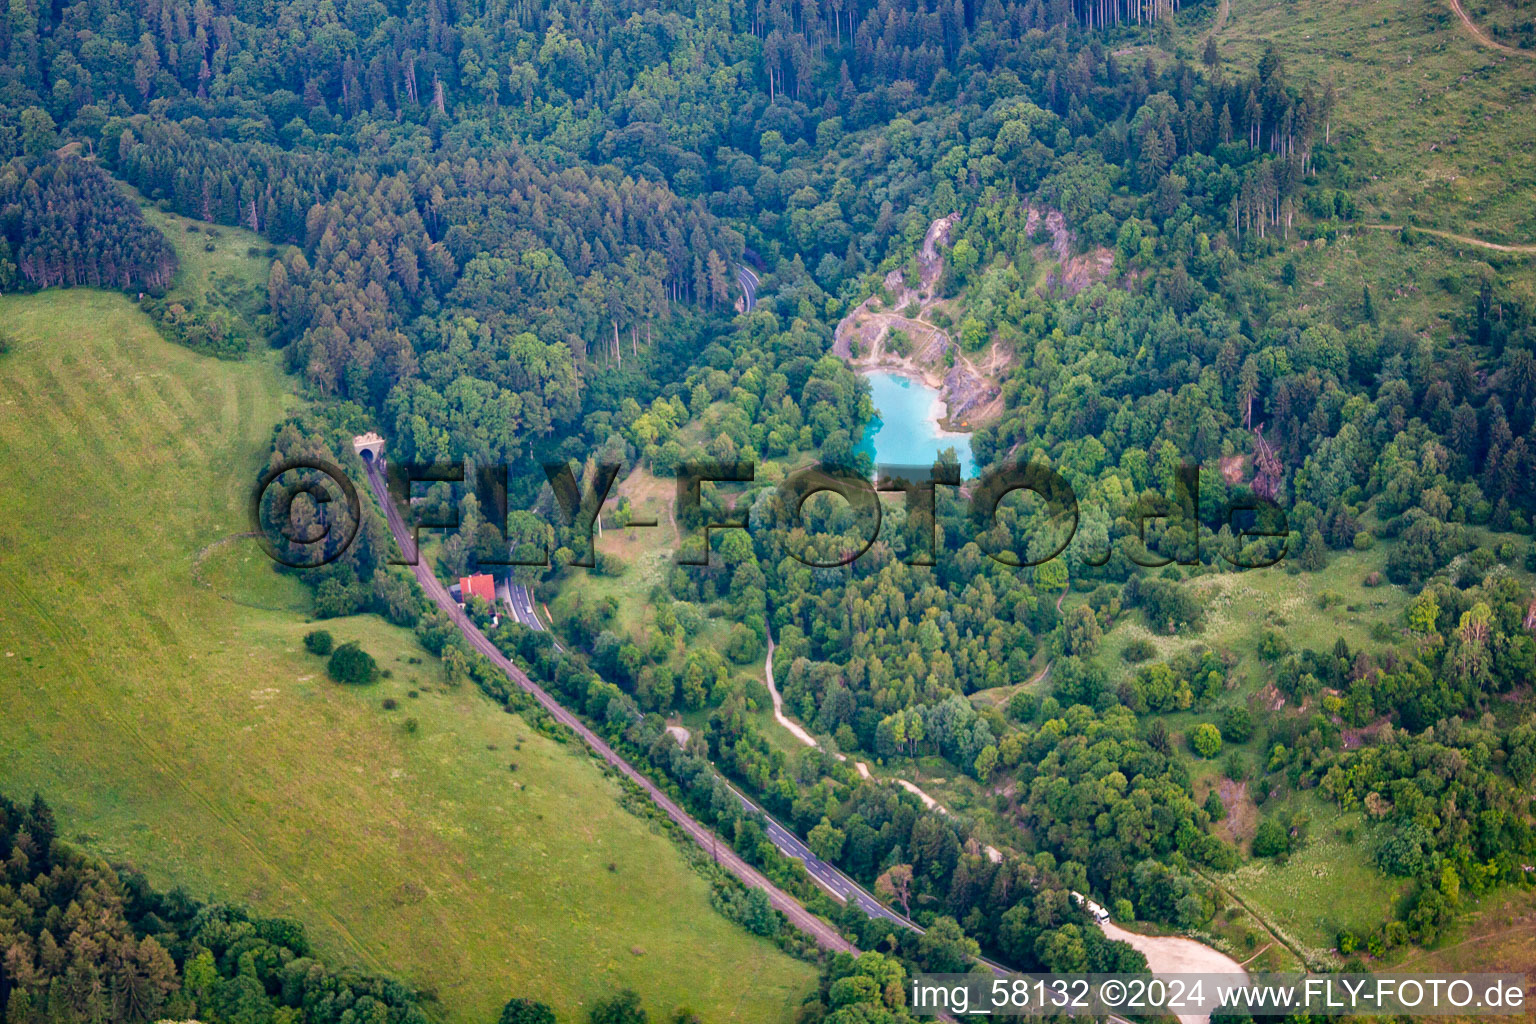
749	282
827	876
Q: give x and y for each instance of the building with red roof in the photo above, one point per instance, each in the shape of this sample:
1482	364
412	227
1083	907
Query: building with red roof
480	585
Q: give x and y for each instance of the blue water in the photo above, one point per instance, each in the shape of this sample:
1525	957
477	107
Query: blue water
905	430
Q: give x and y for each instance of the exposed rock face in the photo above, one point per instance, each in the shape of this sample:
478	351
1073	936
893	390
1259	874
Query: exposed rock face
1076	272
965	391
966	382
932	355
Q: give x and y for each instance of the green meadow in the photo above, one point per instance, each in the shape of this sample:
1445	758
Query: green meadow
156	689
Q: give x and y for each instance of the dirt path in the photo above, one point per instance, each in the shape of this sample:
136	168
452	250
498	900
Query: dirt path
1221	17
1260	953
800	734
778	702
1463	239
1476	33
677	542
1423	955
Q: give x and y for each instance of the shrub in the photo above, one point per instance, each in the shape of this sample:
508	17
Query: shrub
1023	705
1270	839
1237	725
526	1011
212	332
1405	851
623	1008
352	665
1138	650
1273	645
319	642
1205	740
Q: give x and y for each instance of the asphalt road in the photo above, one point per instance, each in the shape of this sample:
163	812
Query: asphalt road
749	282
830	878
520	603
823	933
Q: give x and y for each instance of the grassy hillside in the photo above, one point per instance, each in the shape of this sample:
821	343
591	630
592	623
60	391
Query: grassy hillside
156	689
219	266
1430	123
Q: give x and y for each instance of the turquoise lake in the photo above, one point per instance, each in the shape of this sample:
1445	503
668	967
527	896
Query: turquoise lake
905	430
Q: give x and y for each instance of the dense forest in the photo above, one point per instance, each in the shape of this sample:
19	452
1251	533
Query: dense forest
66	223
88	942
514	236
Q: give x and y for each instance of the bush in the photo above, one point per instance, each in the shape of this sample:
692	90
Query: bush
319	642
1023	706
1406	851
1237	725
1137	651
623	1008
212	332
1205	740
526	1011
352	665
1270	840
1273	645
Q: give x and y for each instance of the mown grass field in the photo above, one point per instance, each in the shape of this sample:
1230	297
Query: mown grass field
645	553
1430	129
156	690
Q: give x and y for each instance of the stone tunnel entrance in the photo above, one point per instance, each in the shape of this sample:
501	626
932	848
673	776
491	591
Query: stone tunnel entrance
370	446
